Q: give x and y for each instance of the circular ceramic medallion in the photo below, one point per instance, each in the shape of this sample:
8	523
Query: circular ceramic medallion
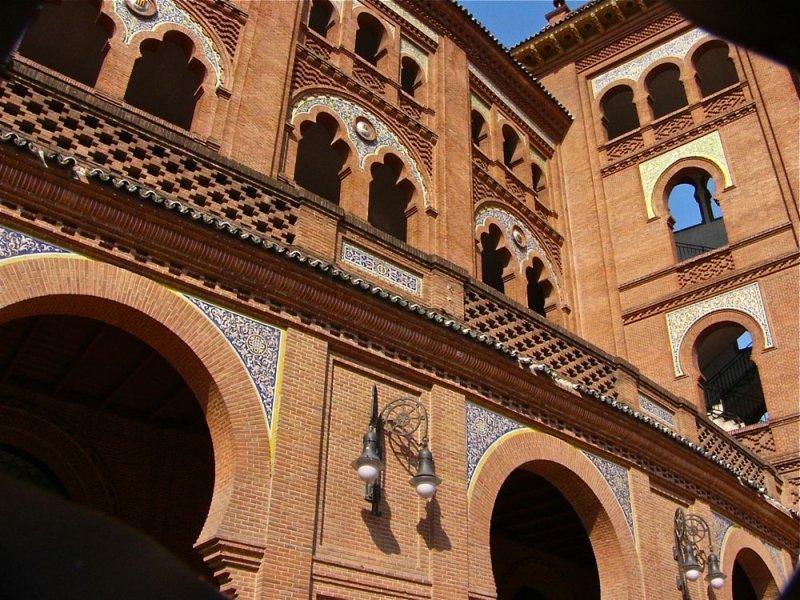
142	8
256	344
519	236
365	130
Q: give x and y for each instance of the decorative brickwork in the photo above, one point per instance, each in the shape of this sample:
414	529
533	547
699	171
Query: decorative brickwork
724	102
94	139
757	438
224	18
624	147
531	338
721	447
369	77
700	270
673	125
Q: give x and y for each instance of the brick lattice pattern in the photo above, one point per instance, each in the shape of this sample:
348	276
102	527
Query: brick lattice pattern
97	141
535	340
726	449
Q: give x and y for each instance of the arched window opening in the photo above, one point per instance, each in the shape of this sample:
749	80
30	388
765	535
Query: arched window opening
369	39
729	377
479	129
321	158
389	198
111	391
410	76
320	19
715	68
166	81
539	288
511	147
536	535
619	112
697	224
751	578
71	37
666	90
494	259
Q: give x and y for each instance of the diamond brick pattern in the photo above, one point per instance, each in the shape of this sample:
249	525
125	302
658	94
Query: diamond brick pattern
624	147
68	127
698	272
724	449
722	104
761	441
369	78
535	340
672	126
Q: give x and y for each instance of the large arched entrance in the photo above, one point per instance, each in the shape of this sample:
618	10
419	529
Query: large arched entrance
195	388
126	406
540	548
539	513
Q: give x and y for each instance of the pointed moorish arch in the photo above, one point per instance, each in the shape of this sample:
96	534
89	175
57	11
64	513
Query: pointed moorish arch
581	484
75	286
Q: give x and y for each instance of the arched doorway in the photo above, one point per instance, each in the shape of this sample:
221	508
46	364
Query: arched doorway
540	548
751	579
135	416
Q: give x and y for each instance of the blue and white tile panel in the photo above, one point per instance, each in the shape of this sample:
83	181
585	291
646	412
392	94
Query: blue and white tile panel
719	527
382	269
14	244
484	428
654	409
257	344
617	478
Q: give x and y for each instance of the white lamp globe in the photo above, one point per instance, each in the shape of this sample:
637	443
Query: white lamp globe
717	582
368	472
692	574
426	489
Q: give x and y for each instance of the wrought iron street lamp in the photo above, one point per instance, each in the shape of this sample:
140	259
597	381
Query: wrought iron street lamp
403	419
690	530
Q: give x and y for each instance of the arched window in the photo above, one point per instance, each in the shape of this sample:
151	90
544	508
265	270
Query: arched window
715	69
619	112
320	19
410	76
494	258
369	39
666	90
320	158
166	81
479	130
71	37
729	377
539	288
697	224
512	147
539	183
389	198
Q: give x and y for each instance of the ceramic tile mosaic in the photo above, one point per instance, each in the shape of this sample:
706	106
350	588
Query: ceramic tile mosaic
633	69
708	147
479	105
13	244
656	410
385	138
775	553
169	13
383	269
257	344
419	56
393	6
517	111
507	224
719	527
745	300
484	428
617	478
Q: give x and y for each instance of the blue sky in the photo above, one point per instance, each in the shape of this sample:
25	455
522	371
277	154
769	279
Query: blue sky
511	21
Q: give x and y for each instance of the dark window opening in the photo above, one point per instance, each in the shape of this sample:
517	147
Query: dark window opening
494	259
539	289
319	161
369	37
715	68
70	37
619	112
697	224
729	377
511	147
478	128
320	19
410	76
165	80
389	198
666	90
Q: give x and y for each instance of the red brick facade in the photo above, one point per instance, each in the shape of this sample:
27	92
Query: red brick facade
454	198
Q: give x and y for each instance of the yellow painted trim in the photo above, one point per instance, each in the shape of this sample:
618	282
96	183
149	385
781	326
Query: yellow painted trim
273	429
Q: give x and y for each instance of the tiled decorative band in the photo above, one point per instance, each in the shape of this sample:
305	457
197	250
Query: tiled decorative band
617	478
383	269
656	410
14	244
484	428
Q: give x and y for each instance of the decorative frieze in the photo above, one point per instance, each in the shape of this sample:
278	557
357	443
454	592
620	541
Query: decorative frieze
633	69
14	244
424	29
169	13
708	147
719	527
350	114
656	410
745	300
484	429
381	268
